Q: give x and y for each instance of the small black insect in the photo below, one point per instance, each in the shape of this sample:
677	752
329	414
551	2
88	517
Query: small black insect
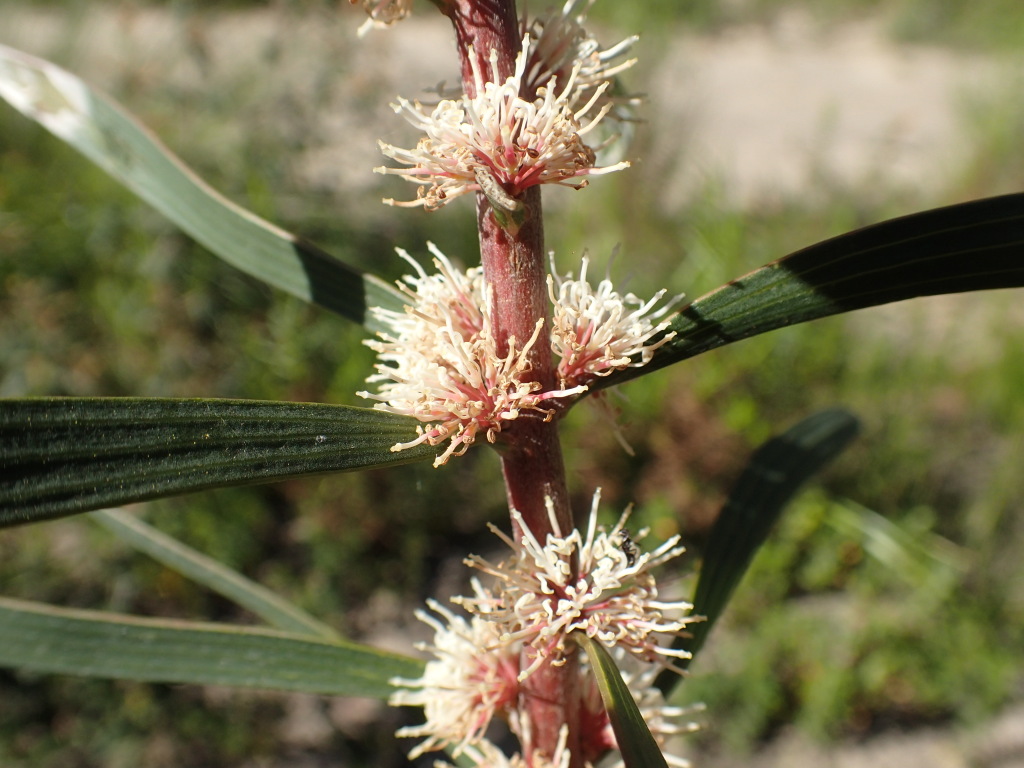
628	547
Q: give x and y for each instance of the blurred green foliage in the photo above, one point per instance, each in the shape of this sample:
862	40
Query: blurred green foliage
846	625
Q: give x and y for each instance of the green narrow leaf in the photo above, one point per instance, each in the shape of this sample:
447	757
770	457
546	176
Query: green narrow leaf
212	574
772	477
967	247
636	744
920	559
43	638
59	456
101	130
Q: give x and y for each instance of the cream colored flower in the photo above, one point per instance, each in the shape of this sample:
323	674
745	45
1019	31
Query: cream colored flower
487	755
520	140
614	598
526	616
440	363
562	44
596	332
471	680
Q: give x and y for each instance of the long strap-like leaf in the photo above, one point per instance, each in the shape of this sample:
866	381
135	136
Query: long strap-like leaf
774	474
967	247
59	456
213	574
101	130
636	743
44	638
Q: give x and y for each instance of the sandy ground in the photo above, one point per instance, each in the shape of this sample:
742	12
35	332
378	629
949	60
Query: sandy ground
775	110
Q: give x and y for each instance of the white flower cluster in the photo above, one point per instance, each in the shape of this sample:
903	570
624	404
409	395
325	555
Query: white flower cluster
561	44
523	131
439	361
525	618
598	332
614	599
474	676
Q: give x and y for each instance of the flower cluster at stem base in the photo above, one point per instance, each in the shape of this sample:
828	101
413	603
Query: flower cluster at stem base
525	616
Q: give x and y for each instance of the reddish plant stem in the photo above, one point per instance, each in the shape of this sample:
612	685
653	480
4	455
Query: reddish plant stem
513	264
532	458
514	271
484	25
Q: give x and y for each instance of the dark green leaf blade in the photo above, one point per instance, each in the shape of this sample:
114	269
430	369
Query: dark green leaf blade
59	456
636	744
101	130
972	246
48	639
772	477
